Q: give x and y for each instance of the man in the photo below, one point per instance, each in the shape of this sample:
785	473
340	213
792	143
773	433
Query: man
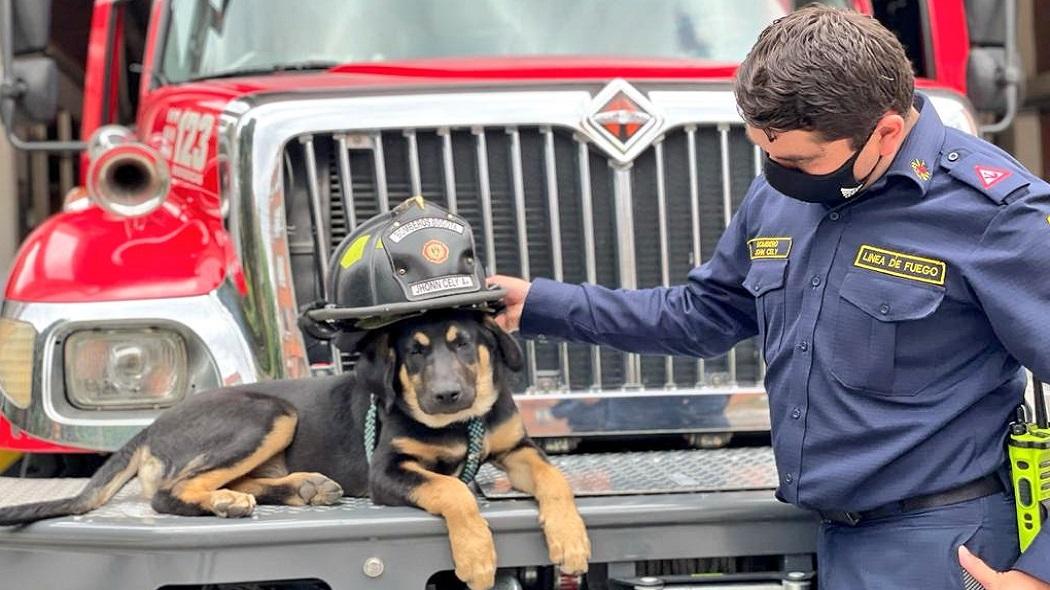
896	274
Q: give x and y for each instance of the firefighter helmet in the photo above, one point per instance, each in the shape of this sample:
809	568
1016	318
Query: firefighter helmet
414	258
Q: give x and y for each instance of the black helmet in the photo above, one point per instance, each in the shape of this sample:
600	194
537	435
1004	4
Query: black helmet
415	258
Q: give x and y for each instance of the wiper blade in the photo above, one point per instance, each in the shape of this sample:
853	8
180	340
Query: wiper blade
304	66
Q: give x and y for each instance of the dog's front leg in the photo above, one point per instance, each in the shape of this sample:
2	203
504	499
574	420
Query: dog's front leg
529	471
473	551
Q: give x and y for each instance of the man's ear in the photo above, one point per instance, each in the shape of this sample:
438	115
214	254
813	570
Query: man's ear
376	368
891	130
508	346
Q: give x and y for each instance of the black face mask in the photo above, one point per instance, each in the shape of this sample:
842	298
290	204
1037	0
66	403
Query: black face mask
833	188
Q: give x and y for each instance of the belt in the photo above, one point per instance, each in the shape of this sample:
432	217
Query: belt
979	488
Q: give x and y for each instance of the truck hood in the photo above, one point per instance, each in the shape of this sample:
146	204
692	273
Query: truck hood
463	71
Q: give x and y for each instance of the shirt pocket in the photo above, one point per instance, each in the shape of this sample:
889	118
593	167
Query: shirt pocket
871	310
765	281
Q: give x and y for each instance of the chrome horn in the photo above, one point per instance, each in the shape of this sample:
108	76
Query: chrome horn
125	177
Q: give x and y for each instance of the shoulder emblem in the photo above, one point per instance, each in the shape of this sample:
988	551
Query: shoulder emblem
992	177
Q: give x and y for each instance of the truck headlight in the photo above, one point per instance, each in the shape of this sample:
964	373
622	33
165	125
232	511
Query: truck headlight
125	368
16	361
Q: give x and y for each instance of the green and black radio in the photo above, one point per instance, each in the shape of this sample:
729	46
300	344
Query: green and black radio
1029	445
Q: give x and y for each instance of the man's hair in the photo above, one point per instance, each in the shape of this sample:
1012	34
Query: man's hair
823	69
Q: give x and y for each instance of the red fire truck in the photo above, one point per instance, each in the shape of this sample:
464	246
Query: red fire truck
229	145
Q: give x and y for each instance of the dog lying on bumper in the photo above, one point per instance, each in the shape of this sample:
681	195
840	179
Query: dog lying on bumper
301	442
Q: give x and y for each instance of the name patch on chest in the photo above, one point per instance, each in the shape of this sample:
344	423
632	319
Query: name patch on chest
898	264
769	247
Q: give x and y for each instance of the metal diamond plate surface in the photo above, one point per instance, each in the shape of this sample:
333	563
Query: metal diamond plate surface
15	491
657	472
128	504
606	474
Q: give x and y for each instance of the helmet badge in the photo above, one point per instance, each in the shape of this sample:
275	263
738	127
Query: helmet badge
435	251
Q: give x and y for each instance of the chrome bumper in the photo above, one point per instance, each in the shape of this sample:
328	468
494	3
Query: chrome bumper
645	412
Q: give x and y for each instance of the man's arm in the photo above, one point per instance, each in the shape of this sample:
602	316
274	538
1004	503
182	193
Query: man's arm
1009	271
704	317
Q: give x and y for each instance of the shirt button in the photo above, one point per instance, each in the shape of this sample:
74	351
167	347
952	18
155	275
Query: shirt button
884	308
953	156
796	413
815	281
803	346
834	216
788	478
756	288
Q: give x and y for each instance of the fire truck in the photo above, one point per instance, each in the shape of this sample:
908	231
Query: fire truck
230	145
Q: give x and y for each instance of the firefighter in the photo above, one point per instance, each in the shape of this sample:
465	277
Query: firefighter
895	272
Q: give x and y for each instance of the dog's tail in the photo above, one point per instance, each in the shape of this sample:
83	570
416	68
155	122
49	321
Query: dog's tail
102	486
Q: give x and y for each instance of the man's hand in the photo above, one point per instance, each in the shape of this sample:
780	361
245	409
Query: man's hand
993	580
510	318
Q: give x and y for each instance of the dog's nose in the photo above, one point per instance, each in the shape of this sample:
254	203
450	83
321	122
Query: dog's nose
447	397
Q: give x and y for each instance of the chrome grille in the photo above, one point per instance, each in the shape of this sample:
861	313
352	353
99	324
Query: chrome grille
543	202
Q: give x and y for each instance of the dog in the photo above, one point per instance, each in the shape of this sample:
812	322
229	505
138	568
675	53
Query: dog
301	442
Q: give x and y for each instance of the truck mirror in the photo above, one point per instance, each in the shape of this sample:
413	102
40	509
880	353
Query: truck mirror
985	24
989	77
30	24
993	77
36	96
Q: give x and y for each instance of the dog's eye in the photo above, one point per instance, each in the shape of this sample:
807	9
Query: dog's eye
462	343
416	350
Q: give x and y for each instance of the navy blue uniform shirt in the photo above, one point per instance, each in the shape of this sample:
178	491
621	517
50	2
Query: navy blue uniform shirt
894	326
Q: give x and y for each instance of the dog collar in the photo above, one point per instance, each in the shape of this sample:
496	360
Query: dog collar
475	441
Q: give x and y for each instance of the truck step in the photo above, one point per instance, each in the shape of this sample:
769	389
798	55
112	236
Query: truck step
126	544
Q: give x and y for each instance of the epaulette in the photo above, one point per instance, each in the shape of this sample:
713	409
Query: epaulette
998	179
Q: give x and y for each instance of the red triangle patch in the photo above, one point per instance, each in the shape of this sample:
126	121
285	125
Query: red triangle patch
990	175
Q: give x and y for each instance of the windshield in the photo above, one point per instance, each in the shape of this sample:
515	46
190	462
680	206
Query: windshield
209	38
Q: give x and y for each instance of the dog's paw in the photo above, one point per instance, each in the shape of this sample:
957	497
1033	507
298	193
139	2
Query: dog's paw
567	542
474	554
318	490
230	504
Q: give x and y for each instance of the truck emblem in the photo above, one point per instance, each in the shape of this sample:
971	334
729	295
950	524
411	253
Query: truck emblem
621	117
622	121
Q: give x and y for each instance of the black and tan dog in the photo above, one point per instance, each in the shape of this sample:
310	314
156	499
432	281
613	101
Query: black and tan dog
300	442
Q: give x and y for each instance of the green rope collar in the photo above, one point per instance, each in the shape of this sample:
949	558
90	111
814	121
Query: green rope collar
475	441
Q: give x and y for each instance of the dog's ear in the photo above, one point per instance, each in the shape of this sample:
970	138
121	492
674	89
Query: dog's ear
376	368
508	346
